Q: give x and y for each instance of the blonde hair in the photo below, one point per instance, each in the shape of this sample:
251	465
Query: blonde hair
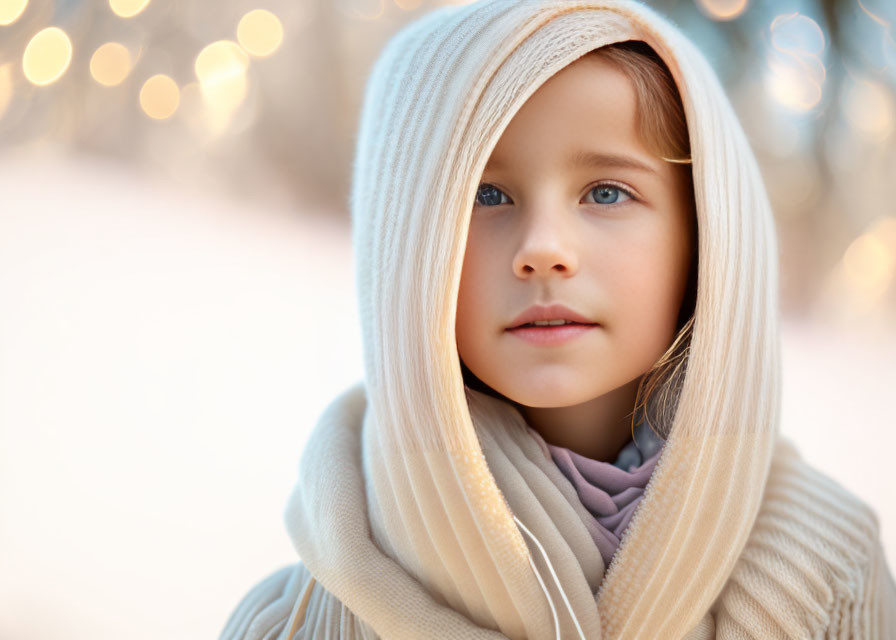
663	129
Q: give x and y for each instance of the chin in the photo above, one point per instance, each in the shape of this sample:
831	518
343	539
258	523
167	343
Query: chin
548	396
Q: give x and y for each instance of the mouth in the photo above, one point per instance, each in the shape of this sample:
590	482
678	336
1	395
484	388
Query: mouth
552	325
549	317
551	334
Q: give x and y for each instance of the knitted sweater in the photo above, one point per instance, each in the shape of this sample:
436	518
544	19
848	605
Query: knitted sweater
424	509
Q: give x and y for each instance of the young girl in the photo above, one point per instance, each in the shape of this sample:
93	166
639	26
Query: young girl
568	426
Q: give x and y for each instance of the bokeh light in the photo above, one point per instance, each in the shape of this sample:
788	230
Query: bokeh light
10	10
797	33
221	70
260	32
796	71
870	259
868	107
5	87
47	56
795	82
110	64
723	9
159	97
220	62
127	8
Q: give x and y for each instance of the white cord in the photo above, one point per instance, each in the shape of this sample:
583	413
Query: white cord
556	581
543	588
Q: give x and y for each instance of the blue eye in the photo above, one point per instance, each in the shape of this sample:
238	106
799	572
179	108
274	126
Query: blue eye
489	195
609	194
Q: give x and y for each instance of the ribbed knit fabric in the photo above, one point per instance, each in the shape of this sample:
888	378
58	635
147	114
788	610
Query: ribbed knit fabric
424	509
812	567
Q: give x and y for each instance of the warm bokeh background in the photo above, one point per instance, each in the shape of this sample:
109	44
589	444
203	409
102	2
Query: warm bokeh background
176	276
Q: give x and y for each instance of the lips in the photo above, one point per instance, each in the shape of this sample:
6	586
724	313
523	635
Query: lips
545	336
549	312
568	323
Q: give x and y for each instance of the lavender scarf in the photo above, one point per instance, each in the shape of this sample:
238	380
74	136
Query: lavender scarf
610	492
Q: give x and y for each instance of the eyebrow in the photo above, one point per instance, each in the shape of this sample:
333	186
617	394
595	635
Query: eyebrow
595	159
584	158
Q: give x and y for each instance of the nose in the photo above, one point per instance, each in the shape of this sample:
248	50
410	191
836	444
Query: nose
547	247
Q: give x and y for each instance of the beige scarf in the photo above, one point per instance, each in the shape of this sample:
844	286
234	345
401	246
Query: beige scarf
423	509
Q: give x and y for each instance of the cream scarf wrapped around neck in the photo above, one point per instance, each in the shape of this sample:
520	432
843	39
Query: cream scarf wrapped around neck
424	509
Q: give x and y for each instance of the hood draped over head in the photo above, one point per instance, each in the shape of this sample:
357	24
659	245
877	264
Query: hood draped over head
425	507
437	102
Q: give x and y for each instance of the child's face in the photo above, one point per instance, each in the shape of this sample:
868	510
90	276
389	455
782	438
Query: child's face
546	231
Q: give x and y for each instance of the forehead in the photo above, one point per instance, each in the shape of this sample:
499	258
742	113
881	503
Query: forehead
590	105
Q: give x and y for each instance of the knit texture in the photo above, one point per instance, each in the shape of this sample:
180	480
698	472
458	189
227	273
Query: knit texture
424	509
812	567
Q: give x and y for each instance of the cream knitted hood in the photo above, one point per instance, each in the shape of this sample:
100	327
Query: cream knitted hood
437	102
426	510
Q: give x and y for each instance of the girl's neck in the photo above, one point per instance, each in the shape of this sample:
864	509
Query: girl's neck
596	429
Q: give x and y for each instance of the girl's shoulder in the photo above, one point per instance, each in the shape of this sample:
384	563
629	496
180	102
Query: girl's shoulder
265	609
815	549
801	498
289	604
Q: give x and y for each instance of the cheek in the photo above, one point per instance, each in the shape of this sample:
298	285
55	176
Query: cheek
648	286
473	296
